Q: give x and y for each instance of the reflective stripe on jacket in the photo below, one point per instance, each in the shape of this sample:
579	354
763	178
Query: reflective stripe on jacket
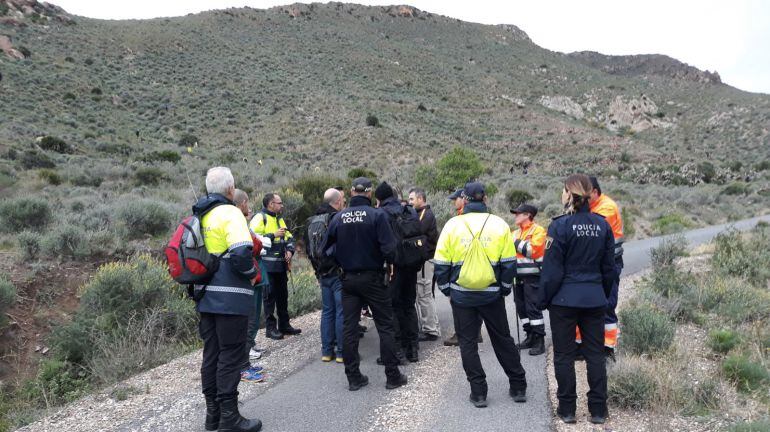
266	223
226	233
453	245
607	207
529	241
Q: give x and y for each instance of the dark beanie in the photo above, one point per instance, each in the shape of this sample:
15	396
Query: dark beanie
383	191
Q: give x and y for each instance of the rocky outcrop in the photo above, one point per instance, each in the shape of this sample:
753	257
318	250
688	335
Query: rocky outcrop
647	64
24	12
563	104
636	114
516	33
7	47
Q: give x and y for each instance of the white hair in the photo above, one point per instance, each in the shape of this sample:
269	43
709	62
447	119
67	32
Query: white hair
219	180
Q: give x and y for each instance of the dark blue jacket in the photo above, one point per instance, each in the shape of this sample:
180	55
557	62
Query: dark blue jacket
579	264
360	238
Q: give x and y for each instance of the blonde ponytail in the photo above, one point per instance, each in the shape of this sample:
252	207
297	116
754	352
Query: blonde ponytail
577	188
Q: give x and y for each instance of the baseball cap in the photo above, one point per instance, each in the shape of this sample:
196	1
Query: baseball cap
362	184
456	194
474	191
525	208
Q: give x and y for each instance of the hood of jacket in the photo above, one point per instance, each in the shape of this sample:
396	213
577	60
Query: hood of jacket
208	202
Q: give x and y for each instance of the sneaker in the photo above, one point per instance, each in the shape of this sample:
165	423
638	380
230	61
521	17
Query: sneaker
326	358
339	359
249	376
256	369
255	354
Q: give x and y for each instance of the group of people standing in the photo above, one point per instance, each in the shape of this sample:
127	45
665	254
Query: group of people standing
386	257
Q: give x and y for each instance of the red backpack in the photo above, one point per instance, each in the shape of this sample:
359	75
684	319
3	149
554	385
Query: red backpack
189	262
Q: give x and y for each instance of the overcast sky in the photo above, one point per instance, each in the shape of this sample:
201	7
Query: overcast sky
731	37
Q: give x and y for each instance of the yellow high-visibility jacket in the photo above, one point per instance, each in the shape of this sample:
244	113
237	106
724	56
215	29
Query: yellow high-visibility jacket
266	223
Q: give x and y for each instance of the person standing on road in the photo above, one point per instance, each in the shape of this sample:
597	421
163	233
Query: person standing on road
270	224
529	241
575	284
328	274
605	206
476	299
430	330
361	241
226	303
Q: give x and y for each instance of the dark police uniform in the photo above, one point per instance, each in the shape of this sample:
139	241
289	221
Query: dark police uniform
576	280
361	241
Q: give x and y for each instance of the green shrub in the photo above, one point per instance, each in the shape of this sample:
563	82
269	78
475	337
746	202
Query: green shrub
17	214
144	217
629	228
749	257
671	223
66	240
722	341
7	297
701	396
362	172
762	166
746	374
310	190
736	188
49	176
86	180
305	294
68	96
25	51
751	426
32	159
162	156
707	171
630	384
669	250
96	91
455	169
149	176
646	330
29	244
57	383
188	140
372	121
516	197
55	144
490	189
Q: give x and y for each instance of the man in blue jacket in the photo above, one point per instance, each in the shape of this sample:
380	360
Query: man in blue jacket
360	239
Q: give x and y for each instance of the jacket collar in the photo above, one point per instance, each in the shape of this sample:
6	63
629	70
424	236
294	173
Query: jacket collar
360	201
268	212
525	226
426	207
208	202
475	207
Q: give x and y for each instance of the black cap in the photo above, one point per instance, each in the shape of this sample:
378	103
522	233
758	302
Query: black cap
362	184
595	184
456	194
383	191
525	208
474	191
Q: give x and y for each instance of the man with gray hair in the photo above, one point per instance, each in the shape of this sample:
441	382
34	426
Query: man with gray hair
225	302
328	273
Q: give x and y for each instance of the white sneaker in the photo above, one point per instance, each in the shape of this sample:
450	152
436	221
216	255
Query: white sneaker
254	354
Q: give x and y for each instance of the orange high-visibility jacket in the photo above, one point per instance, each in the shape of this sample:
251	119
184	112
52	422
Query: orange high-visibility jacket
529	240
605	206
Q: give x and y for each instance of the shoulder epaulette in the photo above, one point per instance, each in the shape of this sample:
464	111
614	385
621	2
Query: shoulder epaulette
560	216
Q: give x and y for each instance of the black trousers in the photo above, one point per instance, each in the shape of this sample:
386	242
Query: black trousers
224	352
591	324
277	301
359	288
403	292
468	324
525	297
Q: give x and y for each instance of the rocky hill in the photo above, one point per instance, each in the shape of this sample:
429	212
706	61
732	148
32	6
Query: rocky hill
648	64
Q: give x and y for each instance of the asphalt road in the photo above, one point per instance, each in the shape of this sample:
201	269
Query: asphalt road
315	397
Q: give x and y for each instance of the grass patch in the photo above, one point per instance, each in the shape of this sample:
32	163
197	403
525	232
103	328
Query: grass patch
747	375
724	340
671	223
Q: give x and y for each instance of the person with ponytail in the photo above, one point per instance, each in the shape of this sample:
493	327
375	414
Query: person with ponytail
576	281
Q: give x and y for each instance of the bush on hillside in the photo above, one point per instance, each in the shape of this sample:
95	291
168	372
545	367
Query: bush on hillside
149	176
66	241
305	295
736	188
57	382
748	257
630	384
455	169
7	297
188	140
310	190
162	156
55	144
49	176
372	121
86	180
29	245
751	426
745	373
646	330
668	251
516	197
17	214
144	217
671	223
31	159
723	340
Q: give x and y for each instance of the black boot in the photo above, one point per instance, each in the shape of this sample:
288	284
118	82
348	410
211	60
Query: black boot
212	414
412	352
538	345
394	383
527	342
231	420
290	331
273	334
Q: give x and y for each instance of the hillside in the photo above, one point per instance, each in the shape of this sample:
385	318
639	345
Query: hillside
105	125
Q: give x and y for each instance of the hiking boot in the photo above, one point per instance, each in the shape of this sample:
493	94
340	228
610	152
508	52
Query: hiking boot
567	418
479	401
230	419
274	334
538	345
452	341
527	342
291	331
355	385
519	396
596	419
212	414
412	353
427	337
397	382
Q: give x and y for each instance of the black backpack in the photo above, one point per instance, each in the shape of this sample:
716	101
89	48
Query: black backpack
411	243
316	231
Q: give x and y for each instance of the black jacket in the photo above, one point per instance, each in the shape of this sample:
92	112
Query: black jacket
360	238
429	227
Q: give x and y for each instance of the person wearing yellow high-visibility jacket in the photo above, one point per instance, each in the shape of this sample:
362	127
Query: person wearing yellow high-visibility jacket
277	262
472	304
605	206
529	241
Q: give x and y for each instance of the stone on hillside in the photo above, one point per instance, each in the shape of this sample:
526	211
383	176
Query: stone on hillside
636	114
563	104
7	47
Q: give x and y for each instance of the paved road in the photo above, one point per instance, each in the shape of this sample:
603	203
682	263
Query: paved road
436	397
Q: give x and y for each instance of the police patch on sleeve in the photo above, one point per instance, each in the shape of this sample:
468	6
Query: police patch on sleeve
548	242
